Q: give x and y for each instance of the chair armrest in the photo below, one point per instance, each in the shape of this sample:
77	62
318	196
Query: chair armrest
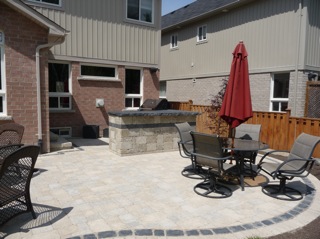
271	152
295	172
182	151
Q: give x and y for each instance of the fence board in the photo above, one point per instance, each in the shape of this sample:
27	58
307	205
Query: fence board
278	130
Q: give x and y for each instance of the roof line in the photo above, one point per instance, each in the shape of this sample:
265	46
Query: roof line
202	15
54	28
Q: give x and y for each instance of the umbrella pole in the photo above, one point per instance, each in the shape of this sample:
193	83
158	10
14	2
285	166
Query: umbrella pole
232	133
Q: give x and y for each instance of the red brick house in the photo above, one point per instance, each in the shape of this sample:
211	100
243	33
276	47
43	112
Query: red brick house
25	37
63	67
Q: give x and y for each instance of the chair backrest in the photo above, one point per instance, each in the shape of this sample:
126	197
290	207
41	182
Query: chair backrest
302	148
209	145
248	131
11	133
16	171
184	130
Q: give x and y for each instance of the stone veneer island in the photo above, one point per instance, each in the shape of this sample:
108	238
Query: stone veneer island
138	132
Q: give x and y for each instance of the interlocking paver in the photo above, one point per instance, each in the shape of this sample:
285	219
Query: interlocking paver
89	192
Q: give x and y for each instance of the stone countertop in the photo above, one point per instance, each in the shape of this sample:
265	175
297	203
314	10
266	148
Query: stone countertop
126	113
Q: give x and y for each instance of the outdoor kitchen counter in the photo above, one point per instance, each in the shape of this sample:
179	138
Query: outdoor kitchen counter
138	132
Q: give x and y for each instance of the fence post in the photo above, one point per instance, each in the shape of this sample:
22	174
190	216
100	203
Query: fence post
190	103
287	129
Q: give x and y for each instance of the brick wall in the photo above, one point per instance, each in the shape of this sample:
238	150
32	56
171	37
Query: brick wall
151	84
301	93
202	90
22	36
85	93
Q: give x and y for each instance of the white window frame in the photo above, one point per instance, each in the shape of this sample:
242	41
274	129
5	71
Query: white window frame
140	7
3	75
101	78
43	2
202	37
135	96
276	100
63	94
174	41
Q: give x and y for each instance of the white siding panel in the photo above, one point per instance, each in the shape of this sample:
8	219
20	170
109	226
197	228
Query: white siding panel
313	36
99	30
269	29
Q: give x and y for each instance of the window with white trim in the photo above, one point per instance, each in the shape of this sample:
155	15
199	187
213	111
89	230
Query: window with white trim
133	88
96	72
59	86
202	33
49	2
174	41
2	77
279	92
140	10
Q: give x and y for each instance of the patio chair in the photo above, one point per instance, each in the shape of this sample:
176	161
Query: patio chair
7	150
185	146
249	132
15	184
208	154
11	133
298	164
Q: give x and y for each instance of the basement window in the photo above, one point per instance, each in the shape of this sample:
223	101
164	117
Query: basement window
64	132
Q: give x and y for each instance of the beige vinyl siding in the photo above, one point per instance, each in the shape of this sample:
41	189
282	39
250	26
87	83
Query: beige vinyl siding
269	29
99	31
313	36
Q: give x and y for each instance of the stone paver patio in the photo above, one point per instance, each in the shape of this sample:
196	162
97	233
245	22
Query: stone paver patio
89	192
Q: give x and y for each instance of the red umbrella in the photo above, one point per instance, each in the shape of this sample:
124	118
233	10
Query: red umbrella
236	106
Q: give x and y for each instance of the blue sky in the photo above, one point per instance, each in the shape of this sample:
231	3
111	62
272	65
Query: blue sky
171	5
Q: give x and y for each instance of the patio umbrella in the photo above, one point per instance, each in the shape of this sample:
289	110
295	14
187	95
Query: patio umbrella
236	105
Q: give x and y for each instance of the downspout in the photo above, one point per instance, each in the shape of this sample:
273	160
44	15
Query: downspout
296	78
39	112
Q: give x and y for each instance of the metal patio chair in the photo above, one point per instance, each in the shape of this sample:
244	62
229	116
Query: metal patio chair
185	146
208	154
15	184
249	132
298	164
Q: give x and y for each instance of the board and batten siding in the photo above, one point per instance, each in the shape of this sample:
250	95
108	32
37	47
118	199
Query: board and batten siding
99	31
313	36
269	29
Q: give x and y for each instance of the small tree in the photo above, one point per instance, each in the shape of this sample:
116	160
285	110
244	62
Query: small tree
216	124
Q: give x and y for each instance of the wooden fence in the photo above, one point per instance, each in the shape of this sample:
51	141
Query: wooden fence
278	130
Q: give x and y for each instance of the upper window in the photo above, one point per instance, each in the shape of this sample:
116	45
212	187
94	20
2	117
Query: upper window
2	76
280	92
98	72
59	86
174	41
133	88
140	10
202	33
49	2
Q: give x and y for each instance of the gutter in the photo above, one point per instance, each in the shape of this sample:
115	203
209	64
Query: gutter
39	112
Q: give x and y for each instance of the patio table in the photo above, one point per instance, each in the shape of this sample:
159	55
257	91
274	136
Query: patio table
238	146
